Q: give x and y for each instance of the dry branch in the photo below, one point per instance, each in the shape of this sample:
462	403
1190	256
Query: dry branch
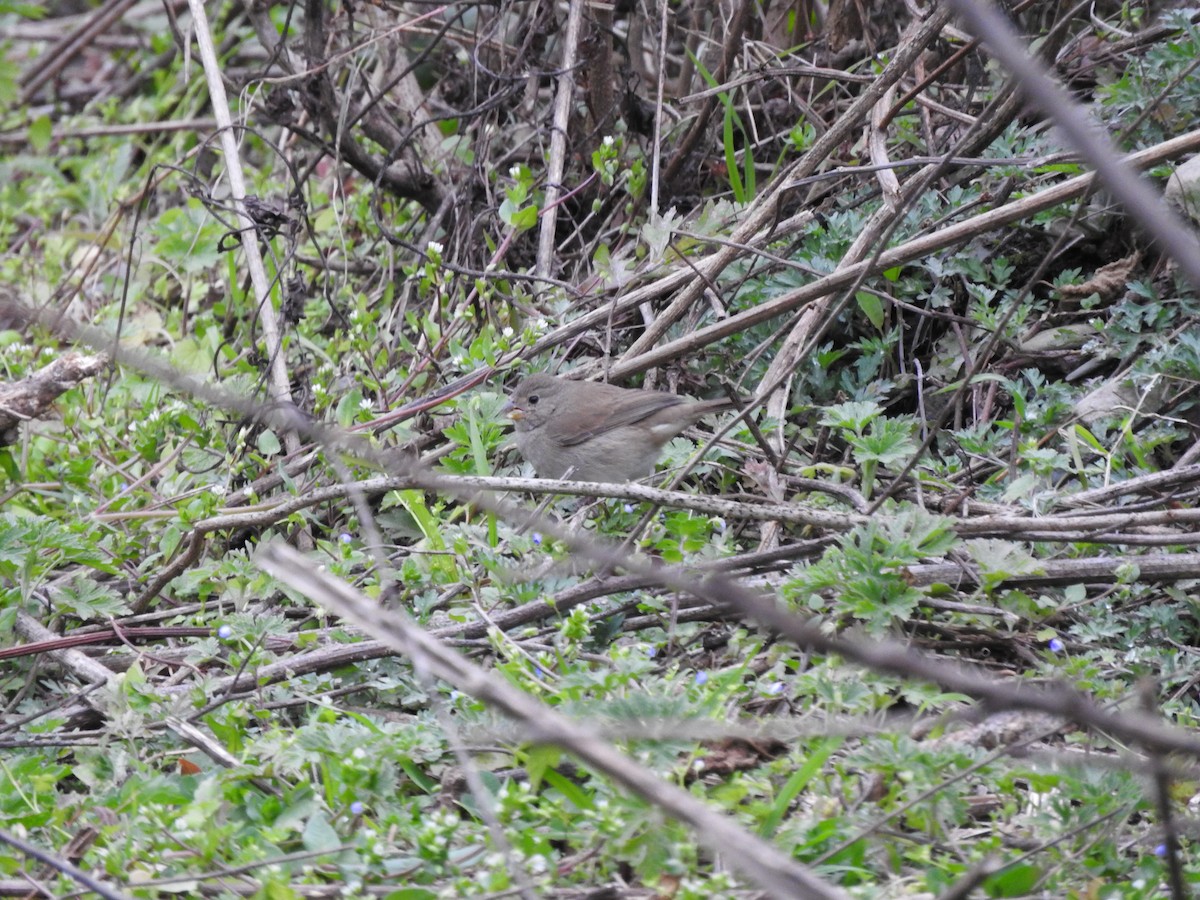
757	860
32	397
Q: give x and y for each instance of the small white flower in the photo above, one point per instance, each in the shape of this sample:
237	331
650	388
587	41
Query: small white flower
434	247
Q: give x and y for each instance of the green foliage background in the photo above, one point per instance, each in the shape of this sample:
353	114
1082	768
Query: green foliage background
404	277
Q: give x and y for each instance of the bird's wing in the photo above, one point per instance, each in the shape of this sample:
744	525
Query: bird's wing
578	426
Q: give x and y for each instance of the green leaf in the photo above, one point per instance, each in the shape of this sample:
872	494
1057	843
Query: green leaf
522	218
575	795
731	164
40	132
440	563
348	408
319	834
822	750
10	73
85	599
1016	881
268	443
539	760
872	308
9	465
852	415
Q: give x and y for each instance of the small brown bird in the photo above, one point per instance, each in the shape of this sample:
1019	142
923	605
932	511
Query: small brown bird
597	432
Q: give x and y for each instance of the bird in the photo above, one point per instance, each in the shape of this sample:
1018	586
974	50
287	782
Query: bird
597	432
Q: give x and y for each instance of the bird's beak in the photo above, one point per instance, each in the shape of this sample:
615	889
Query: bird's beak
513	412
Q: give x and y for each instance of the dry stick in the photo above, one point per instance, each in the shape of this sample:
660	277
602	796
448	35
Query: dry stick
1155	481
247	887
1157	568
924	179
1154	567
76	662
997	525
815	321
889	658
763	211
776	384
659	88
33	396
597	58
919	247
1139	200
757	860
903	253
70	48
1163	802
61	133
1160	567
279	379
558	139
889	183
1009	748
733	41
965	887
63	866
1150	212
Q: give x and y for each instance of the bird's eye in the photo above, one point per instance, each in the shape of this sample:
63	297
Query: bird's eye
533	398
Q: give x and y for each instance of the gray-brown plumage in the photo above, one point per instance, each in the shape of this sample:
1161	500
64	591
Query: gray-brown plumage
597	432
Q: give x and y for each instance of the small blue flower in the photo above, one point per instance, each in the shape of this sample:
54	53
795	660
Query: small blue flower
1160	850
652	652
775	688
346	537
537	538
356	808
701	677
1056	645
628	507
224	632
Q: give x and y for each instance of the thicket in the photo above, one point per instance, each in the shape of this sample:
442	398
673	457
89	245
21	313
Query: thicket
287	615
